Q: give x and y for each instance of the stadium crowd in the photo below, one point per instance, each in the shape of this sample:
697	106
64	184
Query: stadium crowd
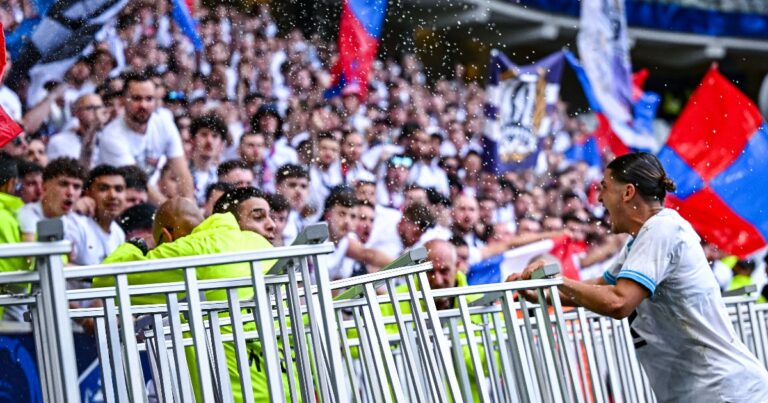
243	127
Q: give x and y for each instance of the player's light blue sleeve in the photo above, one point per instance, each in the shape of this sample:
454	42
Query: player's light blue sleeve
649	258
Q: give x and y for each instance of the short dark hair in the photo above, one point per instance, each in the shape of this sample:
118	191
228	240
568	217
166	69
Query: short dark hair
135	177
138	77
28	167
137	217
210	121
231	199
458	241
644	171
278	203
290	171
409	129
9	168
341	195
65	166
102	170
229	166
220	186
326	136
420	215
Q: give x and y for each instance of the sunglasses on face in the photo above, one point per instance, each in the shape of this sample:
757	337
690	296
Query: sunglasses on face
405	162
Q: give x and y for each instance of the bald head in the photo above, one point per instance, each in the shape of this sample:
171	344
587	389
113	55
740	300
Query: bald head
443	257
175	218
89	111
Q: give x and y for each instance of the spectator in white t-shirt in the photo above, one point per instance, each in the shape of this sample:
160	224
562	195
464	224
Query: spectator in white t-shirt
145	136
253	151
424	173
209	135
293	183
267	120
339	213
352	169
236	173
94	238
63	180
325	173
80	142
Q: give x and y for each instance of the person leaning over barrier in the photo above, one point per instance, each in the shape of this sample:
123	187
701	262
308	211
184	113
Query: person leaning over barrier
179	230
688	346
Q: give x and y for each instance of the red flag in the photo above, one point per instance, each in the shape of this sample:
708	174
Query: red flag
716	155
8	127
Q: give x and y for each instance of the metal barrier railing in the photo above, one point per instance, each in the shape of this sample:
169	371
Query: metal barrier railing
53	332
425	372
279	335
750	320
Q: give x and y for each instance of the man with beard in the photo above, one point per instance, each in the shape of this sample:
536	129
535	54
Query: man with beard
80	142
251	209
145	137
94	238
63	182
209	134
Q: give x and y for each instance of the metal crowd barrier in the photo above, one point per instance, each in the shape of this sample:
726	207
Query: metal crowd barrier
750	320
279	335
197	347
369	321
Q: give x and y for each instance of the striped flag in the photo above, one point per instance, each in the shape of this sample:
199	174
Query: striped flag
605	73
359	33
716	155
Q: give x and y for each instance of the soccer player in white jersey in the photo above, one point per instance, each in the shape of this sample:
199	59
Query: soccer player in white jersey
686	342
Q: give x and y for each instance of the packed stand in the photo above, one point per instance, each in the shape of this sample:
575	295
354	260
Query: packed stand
243	128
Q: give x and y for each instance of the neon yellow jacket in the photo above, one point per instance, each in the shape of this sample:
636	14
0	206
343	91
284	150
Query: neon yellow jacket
219	233
10	233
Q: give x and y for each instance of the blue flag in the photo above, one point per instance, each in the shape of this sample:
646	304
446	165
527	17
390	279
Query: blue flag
185	22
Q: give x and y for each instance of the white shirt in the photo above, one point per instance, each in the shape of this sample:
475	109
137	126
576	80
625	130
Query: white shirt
201	180
10	103
29	215
392	200
430	176
384	236
338	265
281	154
692	352
120	146
321	183
69	144
90	244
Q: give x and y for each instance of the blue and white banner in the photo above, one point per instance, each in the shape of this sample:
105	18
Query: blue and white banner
605	73
63	34
520	99
604	51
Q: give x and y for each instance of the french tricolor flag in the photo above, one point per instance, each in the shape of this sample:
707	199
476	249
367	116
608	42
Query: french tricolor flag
497	268
359	33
